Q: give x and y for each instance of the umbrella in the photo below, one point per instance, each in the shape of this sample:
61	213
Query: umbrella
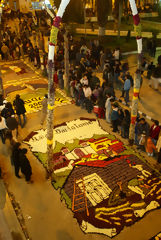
11	123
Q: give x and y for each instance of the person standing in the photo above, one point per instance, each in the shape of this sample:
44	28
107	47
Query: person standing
44	108
125	125
37	56
114	117
154	131
158	146
108	108
3	126
19	105
127	86
15	158
150	147
7	111
143	129
25	165
155	78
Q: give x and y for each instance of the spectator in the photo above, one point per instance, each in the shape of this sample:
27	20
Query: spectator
7	111
143	129
60	79
150	70
101	105
154	131
3	126
116	54
158	146
114	117
155	78
108	108
127	86
125	125
84	80
87	101
150	147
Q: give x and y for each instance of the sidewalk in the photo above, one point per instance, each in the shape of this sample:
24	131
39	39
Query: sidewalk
9	225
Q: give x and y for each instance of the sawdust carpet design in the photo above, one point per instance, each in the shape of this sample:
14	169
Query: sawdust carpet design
106	184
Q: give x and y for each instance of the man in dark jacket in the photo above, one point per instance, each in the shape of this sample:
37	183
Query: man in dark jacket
143	127
18	103
15	158
25	164
114	117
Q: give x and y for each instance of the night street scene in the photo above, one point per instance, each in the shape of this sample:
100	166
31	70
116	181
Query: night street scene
80	119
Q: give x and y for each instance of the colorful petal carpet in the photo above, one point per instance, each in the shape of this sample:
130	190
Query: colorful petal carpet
157	237
34	97
107	185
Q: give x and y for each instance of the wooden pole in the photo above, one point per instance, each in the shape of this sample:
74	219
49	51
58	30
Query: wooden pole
66	61
51	89
137	77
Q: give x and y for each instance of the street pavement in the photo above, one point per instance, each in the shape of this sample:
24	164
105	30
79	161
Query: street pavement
46	217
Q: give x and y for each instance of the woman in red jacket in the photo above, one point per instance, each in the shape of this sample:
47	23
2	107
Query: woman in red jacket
154	131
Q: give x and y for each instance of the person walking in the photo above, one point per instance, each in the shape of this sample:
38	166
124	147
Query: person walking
44	108
18	103
25	165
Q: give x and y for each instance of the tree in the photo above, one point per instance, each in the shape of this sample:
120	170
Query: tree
117	14
103	9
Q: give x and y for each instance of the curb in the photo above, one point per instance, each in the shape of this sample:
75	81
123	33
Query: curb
135	52
140	112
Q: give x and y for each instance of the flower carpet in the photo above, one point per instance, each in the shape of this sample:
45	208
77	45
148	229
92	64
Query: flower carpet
157	237
117	185
34	97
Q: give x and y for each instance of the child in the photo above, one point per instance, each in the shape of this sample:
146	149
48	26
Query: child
150	147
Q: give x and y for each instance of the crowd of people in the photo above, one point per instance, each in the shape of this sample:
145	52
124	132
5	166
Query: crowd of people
90	93
87	90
